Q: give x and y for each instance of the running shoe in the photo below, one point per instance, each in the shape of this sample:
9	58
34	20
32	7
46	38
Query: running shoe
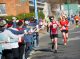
55	51
53	45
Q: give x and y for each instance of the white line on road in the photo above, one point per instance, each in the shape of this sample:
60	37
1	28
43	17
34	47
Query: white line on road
75	32
76	38
72	39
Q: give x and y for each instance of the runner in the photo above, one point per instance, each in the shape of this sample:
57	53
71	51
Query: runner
76	20
54	33
64	29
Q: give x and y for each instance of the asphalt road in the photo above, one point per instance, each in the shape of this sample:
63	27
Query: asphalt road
71	51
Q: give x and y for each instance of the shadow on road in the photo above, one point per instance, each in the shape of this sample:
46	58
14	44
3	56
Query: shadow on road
58	43
44	50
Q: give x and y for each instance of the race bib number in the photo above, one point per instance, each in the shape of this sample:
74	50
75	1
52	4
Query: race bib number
64	27
54	25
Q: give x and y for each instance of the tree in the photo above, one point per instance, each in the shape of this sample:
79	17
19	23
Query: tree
41	15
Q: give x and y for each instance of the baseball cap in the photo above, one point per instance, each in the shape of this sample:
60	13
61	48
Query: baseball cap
26	22
2	22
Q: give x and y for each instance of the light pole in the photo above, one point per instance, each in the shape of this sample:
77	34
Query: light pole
36	11
68	6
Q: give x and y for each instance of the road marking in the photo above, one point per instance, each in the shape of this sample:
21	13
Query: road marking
72	29
71	39
75	32
76	38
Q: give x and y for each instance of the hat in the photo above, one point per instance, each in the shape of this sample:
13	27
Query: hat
26	22
14	18
52	18
21	20
2	22
10	23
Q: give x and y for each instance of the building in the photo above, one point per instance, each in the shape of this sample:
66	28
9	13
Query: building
42	5
47	10
13	7
68	6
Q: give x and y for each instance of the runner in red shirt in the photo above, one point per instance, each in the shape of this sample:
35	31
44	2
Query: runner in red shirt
76	18
64	29
54	33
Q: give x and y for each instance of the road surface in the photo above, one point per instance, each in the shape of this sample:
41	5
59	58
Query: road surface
71	51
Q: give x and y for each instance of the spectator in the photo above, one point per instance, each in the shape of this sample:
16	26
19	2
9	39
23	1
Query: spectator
72	19
68	18
6	41
21	41
14	45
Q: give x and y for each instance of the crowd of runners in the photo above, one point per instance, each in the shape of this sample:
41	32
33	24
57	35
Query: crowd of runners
63	25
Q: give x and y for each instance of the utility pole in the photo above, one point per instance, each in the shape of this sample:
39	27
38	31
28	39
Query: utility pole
36	11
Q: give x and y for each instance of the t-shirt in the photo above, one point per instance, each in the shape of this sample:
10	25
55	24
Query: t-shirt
53	27
76	18
64	24
21	40
7	38
28	37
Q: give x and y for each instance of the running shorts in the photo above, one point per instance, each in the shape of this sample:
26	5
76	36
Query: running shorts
54	36
66	31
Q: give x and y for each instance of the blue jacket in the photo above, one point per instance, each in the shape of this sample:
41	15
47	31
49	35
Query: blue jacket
16	32
28	37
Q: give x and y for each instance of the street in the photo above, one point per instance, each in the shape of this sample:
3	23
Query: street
71	51
24	26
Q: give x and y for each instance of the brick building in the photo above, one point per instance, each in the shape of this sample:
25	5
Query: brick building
13	7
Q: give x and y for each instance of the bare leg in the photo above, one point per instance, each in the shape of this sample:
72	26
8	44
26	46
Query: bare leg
64	36
53	43
67	35
56	44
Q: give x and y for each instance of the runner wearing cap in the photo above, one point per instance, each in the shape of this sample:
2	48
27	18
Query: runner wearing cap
54	33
